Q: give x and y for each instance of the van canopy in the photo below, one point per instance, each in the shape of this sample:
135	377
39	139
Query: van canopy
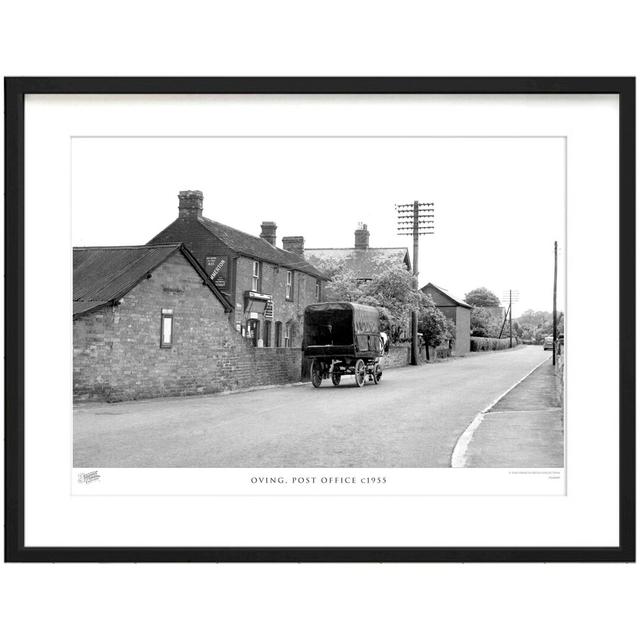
363	319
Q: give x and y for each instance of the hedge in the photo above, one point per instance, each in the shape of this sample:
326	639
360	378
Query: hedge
489	344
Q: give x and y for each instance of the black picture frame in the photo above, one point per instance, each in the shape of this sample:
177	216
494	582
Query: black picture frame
15	91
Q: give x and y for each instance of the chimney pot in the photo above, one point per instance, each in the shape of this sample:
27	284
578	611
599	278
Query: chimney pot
362	237
295	244
269	232
190	204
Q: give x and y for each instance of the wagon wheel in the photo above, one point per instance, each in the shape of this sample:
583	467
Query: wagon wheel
360	372
335	378
377	373
316	374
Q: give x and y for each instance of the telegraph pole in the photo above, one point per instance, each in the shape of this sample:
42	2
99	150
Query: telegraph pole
555	293
512	296
510	322
415	220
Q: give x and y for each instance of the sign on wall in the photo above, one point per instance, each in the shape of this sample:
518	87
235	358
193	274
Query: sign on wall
268	310
218	269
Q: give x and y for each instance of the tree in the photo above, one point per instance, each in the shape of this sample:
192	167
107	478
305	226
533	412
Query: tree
486	322
394	294
482	297
433	325
486	314
517	329
330	266
536	325
391	291
343	286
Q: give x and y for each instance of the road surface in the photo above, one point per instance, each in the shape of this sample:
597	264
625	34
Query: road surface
413	418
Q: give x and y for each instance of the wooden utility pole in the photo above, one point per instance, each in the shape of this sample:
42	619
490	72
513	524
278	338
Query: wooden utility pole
512	296
510	322
506	315
415	348
415	220
555	293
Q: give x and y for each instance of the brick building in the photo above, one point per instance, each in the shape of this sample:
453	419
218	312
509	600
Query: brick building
148	321
361	259
458	312
268	287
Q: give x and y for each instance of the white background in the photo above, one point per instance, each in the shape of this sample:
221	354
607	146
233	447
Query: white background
464	38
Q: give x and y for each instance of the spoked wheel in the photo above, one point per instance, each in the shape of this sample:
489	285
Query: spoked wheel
316	374
377	373
335	378
360	372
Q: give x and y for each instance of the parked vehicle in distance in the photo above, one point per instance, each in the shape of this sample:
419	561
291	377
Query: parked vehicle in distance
548	343
343	338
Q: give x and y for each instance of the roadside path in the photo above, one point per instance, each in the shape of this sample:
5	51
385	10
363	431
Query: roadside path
524	429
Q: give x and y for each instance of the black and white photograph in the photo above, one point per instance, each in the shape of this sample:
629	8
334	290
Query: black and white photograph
318	301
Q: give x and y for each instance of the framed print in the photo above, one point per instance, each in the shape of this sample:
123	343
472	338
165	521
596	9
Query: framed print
320	319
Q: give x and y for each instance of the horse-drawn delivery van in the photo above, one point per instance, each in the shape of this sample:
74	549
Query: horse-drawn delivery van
343	338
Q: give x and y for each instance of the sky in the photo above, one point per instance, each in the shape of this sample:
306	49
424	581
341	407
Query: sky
499	202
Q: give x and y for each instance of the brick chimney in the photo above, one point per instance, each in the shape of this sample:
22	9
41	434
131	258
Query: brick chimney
294	244
190	204
269	232
362	237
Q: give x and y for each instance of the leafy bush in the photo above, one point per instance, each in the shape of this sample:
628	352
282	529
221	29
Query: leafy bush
489	344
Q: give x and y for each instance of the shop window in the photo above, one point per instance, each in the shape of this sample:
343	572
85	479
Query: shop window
289	288
253	331
266	340
166	329
278	338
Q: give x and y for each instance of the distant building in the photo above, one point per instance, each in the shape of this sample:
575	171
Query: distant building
458	312
364	261
148	321
268	287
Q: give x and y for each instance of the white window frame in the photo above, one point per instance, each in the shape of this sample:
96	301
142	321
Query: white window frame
255	276
289	286
287	334
166	316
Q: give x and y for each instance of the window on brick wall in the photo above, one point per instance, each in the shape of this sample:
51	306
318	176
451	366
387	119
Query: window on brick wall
166	328
287	334
266	340
278	339
318	291
289	288
253	331
255	276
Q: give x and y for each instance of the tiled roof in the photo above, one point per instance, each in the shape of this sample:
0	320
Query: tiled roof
103	275
186	230
255	247
445	293
365	263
